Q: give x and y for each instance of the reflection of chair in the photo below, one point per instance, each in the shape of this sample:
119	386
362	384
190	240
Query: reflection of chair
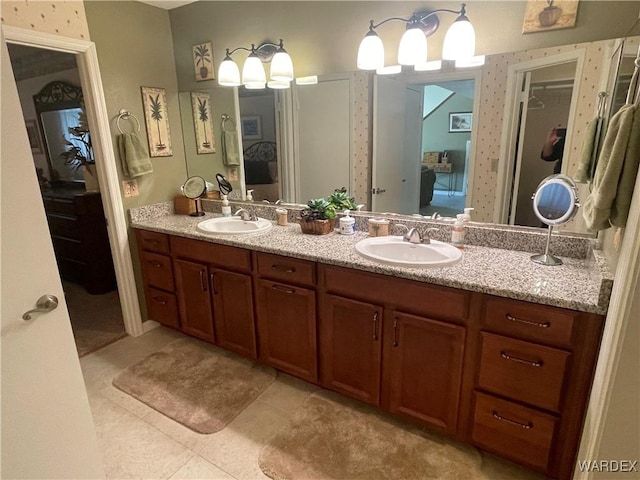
427	181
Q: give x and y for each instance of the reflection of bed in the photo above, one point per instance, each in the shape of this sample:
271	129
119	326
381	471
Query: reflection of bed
261	171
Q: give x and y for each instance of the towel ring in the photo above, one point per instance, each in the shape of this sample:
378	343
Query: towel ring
226	118
127	115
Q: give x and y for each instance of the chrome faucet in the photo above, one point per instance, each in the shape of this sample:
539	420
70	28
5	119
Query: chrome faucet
413	236
246	216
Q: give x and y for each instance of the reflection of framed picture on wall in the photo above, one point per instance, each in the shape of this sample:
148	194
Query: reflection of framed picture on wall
202	122
157	121
460	122
251	127
34	138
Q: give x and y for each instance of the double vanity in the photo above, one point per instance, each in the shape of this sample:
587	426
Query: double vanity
493	350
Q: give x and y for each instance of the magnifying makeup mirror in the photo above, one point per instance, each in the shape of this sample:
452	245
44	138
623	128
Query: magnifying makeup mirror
194	188
554	203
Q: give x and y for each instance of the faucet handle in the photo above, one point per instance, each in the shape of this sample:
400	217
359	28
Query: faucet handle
402	225
427	237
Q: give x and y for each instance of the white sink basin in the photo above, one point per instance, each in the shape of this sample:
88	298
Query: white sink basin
234	226
396	251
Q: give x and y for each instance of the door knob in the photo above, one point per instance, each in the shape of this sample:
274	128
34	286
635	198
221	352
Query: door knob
45	303
378	191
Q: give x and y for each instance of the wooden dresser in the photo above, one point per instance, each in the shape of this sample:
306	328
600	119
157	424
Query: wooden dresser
79	234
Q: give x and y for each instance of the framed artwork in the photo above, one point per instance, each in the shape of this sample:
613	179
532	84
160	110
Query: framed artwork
543	15
460	122
202	122
251	127
156	119
34	137
203	61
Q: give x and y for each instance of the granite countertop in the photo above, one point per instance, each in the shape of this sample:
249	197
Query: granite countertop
578	284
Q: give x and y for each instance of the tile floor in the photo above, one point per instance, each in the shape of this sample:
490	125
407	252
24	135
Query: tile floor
138	442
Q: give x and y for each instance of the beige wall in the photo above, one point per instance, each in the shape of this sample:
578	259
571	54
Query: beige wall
65	18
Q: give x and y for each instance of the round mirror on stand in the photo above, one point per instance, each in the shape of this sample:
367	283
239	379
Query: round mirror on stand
554	203
194	188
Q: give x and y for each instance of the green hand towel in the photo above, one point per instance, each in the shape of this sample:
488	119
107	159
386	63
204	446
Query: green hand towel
230	155
615	175
133	155
583	173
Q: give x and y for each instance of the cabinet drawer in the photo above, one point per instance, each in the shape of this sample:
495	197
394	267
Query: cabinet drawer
69	248
212	254
162	307
291	270
65	206
157	270
539	323
523	371
64	226
519	433
153	241
413	297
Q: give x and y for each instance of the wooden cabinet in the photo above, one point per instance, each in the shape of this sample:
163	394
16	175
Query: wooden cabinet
508	376
351	347
80	240
287	328
424	369
157	278
233	306
192	289
535	364
216	304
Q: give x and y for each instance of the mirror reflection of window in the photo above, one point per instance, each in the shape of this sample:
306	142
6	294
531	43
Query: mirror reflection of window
554	201
56	124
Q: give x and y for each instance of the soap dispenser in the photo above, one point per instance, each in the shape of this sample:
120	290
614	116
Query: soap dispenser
250	195
457	233
467	214
347	224
226	208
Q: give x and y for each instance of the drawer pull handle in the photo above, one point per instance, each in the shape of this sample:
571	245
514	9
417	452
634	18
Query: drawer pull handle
395	332
155	264
375	325
151	240
511	318
283	289
506	356
497	416
159	300
203	283
213	283
283	268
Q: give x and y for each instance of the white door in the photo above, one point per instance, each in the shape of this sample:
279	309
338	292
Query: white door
323	127
47	429
394	166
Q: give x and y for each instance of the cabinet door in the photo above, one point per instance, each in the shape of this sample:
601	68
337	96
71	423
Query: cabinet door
233	311
192	288
425	369
287	328
350	353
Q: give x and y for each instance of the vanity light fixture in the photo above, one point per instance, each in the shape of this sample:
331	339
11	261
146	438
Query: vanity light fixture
459	41
253	73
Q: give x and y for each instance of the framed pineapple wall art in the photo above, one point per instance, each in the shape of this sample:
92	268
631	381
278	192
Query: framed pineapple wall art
543	15
157	121
203	122
203	61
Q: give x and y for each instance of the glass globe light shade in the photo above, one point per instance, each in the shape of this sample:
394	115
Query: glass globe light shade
228	73
281	66
460	40
278	84
370	52
253	71
413	47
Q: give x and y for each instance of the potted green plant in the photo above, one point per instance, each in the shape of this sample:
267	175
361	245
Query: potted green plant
341	201
79	151
318	218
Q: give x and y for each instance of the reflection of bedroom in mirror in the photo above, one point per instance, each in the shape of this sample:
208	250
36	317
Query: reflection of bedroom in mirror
257	108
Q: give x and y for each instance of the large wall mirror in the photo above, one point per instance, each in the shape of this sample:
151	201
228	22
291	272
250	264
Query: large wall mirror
426	143
58	107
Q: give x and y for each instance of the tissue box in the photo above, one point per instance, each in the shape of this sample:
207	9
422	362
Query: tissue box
184	206
431	157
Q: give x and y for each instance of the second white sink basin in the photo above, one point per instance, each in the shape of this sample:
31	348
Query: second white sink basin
394	250
234	226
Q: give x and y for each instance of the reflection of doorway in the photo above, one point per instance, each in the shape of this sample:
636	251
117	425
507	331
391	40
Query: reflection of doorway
260	143
76	218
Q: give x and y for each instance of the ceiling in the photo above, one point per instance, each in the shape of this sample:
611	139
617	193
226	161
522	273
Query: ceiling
167	4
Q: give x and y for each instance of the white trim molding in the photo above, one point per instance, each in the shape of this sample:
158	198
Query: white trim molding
105	160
